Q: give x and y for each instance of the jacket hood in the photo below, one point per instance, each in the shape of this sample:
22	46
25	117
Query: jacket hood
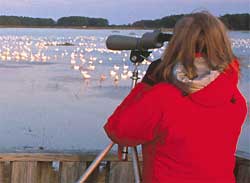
210	88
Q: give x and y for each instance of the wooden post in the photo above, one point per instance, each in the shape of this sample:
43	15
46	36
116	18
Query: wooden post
5	170
98	176
24	172
71	171
121	172
46	173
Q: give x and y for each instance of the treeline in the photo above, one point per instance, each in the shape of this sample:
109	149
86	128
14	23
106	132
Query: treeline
237	21
82	21
26	21
232	21
64	21
165	22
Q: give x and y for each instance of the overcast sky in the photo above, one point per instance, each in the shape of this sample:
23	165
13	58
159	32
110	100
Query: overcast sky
119	11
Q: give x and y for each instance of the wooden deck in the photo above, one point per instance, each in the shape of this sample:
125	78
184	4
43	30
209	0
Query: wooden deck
67	168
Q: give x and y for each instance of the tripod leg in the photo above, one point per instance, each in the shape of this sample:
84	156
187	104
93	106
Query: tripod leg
95	163
100	157
136	165
124	153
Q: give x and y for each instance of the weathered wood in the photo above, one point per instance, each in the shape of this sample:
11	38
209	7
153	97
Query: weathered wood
46	173
24	172
70	172
121	172
98	176
12	170
5	170
53	157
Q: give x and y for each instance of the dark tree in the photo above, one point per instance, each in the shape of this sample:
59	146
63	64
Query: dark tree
26	21
236	21
233	22
166	22
82	21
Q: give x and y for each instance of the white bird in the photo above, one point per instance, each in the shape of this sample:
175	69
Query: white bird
116	78
91	67
125	71
76	67
124	76
112	73
83	60
86	76
72	61
116	68
84	72
72	55
130	73
125	67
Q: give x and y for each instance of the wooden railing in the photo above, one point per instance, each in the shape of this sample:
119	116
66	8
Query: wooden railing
67	168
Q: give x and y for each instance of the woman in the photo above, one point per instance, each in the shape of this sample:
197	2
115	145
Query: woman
189	121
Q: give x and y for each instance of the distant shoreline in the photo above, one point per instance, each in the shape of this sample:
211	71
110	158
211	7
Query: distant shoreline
72	27
232	21
85	28
94	28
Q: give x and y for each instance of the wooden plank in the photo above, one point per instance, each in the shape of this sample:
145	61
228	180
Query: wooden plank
62	157
24	172
52	157
31	172
46	173
99	174
121	172
5	172
70	172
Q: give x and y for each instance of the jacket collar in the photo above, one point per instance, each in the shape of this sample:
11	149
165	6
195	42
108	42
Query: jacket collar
210	88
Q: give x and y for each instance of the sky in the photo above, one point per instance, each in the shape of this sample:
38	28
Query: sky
119	11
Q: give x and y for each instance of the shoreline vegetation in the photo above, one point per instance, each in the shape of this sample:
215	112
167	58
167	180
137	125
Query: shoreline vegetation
232	21
84	27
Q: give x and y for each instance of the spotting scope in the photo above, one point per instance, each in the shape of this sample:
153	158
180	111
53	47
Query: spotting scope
149	40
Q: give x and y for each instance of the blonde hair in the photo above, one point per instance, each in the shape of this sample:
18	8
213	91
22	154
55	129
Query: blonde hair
199	32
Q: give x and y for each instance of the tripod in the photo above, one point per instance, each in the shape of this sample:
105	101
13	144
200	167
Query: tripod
136	56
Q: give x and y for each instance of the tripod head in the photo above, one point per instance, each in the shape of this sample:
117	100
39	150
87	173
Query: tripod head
137	56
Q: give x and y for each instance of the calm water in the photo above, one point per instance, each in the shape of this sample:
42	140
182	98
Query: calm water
45	102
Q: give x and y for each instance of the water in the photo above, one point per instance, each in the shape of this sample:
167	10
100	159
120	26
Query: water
45	102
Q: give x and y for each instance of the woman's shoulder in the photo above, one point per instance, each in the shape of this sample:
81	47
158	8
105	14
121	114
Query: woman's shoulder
165	89
164	85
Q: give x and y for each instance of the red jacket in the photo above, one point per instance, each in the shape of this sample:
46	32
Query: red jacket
185	139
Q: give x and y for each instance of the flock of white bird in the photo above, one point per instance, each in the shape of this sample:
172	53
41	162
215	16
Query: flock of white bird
83	53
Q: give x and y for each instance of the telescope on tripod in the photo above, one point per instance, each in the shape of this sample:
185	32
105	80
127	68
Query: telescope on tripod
140	50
